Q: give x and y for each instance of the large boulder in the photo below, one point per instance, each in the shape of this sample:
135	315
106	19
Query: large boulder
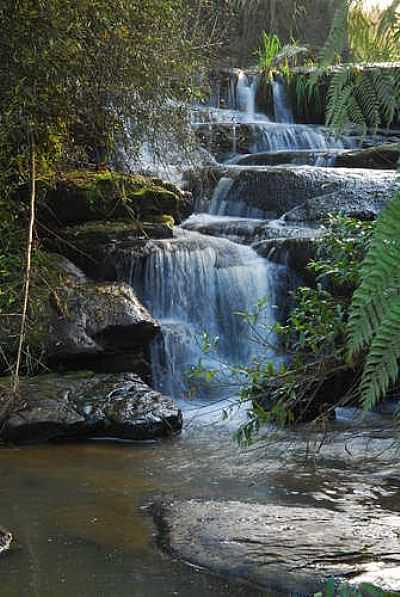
90	323
282	550
313	191
84	324
85	196
79	406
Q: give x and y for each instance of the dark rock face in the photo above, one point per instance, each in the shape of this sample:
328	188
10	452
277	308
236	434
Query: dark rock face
92	246
85	406
98	318
305	157
382	157
103	327
86	196
280	549
223	138
295	253
89	325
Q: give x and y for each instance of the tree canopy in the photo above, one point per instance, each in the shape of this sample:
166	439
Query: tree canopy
71	72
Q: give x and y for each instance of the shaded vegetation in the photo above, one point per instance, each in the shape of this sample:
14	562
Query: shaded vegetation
79	82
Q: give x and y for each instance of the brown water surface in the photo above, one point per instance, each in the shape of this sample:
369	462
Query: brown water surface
80	516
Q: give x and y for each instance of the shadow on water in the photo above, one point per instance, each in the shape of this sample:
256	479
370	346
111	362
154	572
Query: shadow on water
79	517
80	514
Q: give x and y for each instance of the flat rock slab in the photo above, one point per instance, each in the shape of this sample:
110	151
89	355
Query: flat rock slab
281	549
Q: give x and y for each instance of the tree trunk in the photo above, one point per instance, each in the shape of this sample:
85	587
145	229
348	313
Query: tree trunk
28	268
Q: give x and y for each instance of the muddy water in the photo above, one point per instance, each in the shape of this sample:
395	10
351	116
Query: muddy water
80	512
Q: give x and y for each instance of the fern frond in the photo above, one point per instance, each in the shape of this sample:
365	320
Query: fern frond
382	365
380	276
367	98
385	90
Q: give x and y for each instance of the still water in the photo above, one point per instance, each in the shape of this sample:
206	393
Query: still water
83	527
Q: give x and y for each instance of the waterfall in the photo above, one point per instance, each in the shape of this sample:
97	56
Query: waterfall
246	90
293	137
282	109
225	203
196	283
193	285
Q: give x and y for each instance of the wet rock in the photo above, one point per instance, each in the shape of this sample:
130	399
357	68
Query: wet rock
308	193
93	319
382	157
6	539
221	138
295	253
79	406
281	549
88	196
84	324
240	230
301	157
92	246
362	204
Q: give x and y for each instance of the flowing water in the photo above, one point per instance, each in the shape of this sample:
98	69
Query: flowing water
282	109
80	512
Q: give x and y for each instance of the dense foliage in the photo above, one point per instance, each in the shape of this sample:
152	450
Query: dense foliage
72	73
79	80
314	337
375	311
358	94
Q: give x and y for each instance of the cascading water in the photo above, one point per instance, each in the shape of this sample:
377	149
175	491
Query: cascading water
195	284
246	89
282	109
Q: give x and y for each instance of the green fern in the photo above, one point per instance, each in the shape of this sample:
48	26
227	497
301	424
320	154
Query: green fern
368	97
374	322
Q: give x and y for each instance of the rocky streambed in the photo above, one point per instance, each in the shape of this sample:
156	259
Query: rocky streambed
284	549
117	511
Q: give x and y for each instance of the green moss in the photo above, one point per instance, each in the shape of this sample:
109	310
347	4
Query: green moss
83	196
163	219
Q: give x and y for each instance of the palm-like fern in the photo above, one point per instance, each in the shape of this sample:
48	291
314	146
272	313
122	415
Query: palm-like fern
374	322
367	97
363	95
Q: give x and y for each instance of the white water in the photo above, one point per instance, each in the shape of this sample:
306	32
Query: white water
195	284
293	137
282	110
266	135
246	90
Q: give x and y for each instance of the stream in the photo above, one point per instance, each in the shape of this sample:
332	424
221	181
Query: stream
81	512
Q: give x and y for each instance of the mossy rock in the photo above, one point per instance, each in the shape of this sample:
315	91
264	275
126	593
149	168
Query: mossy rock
84	196
91	245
